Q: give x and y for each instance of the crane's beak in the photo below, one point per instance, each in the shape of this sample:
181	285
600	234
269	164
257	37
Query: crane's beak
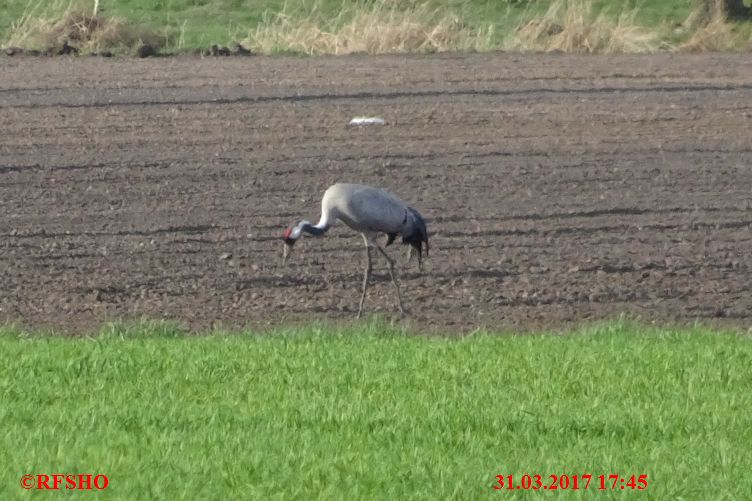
286	253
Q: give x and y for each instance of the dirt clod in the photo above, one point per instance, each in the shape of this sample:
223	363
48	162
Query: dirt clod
146	50
66	49
13	51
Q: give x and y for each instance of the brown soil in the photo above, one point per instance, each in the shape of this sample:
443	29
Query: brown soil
557	189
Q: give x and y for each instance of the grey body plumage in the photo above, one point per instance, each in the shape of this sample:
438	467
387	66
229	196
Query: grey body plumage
369	211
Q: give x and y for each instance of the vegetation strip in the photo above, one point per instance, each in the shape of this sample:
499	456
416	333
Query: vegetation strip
342	27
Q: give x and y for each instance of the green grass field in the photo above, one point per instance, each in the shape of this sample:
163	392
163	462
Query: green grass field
373	413
197	24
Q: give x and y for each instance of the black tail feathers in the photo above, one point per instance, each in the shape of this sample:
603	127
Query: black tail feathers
419	235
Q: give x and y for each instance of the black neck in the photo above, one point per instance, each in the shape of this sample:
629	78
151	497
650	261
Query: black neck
309	228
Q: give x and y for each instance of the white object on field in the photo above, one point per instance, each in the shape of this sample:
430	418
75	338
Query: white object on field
367	121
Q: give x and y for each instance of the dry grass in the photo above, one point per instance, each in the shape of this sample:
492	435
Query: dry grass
716	35
709	31
391	26
58	24
572	26
371	27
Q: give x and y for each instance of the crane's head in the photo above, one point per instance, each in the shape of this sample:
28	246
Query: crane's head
290	239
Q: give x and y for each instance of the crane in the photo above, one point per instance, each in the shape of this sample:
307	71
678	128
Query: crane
369	211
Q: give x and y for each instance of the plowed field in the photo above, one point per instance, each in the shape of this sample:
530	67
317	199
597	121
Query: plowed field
557	189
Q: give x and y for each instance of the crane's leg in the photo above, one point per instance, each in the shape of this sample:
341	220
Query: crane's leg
366	276
412	252
390	262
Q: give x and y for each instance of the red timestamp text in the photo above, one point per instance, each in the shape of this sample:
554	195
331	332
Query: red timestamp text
585	481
